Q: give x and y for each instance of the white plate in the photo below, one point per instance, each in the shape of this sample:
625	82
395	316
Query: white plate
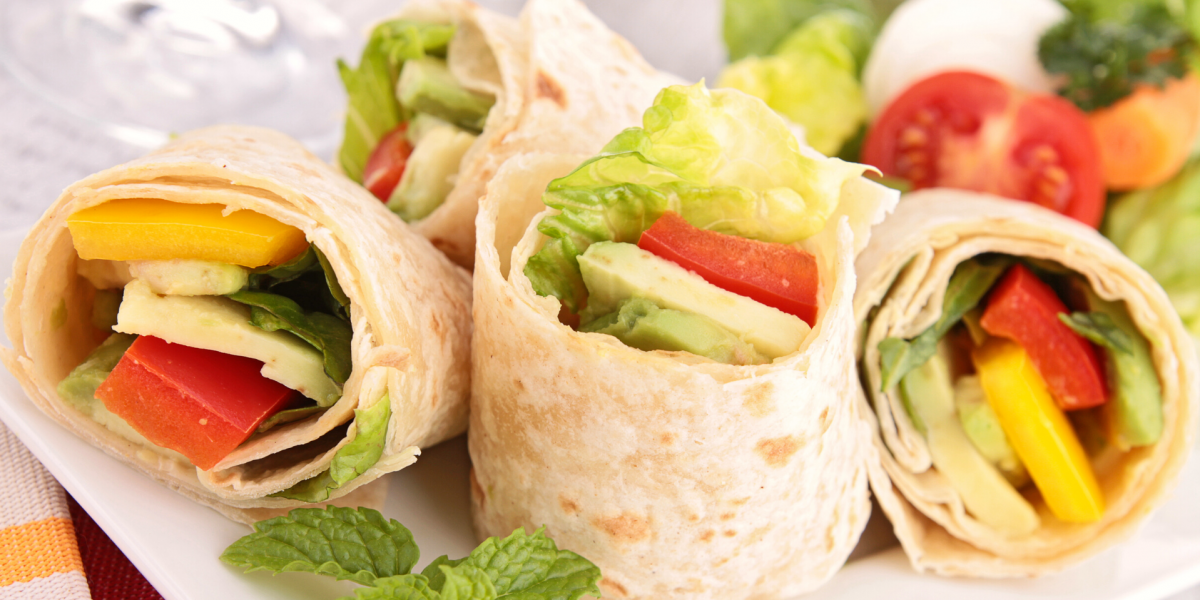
175	542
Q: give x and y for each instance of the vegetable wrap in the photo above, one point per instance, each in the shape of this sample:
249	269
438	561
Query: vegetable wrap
446	91
1031	391
682	468
236	320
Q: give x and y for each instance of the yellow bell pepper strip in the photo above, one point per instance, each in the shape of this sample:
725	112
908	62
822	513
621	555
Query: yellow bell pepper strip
1039	431
152	229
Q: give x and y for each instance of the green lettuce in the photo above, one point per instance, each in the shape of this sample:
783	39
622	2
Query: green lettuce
350	460
812	77
720	158
325	332
373	109
756	27
1157	229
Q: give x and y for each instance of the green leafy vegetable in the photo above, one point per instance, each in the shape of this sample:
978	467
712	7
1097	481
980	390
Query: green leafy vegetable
969	284
350	460
721	159
1157	228
1104	50
373	110
359	545
288	416
756	27
267	277
1099	328
812	77
326	333
335	289
79	386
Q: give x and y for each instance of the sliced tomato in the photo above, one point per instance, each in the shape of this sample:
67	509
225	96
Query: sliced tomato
1025	310
200	403
386	164
778	275
970	131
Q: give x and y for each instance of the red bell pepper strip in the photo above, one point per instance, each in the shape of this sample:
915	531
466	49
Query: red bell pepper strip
778	275
1024	309
200	403
387	162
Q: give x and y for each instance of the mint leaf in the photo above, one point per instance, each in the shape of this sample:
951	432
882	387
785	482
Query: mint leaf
350	460
434	572
403	587
970	283
465	582
531	567
359	545
1098	328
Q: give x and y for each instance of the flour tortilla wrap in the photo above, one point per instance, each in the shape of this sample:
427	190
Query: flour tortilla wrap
410	312
563	82
903	277
678	476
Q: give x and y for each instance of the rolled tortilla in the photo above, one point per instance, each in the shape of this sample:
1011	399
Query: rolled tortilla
679	476
903	277
563	82
410	312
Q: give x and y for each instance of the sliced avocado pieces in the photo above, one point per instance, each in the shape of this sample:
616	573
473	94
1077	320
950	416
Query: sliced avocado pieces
431	171
79	386
426	85
982	427
1134	413
641	324
987	495
615	271
181	277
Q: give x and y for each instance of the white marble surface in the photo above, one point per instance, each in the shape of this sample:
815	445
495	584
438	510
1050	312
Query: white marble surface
42	150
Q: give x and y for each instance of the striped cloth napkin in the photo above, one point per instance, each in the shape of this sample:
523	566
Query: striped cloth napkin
40	557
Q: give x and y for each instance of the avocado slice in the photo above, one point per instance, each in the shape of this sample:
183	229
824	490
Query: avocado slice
79	387
987	495
426	85
615	271
220	324
641	324
181	277
982	427
431	171
1134	413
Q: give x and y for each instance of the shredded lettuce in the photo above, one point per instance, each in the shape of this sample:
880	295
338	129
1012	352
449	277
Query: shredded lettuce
756	27
350	460
812	77
721	159
1157	228
372	109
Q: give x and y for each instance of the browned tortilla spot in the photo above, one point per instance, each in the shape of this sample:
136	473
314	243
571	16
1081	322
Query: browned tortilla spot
728	516
627	528
758	400
569	506
729	533
666	438
550	89
777	451
707	536
612	588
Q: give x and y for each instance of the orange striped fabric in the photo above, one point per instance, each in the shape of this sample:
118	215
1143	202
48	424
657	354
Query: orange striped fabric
38	549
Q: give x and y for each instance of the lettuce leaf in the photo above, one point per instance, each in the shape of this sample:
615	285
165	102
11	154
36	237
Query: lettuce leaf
721	159
1157	229
359	545
372	109
350	460
756	27
812	77
324	332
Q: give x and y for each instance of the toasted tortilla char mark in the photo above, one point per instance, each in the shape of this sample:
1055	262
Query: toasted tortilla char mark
617	590
626	528
568	505
759	401
666	438
777	451
550	89
707	536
